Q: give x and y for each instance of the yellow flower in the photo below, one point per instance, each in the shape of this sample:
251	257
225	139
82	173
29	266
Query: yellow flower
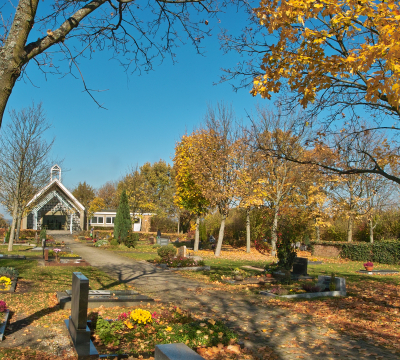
169	328
5	283
128	324
141	316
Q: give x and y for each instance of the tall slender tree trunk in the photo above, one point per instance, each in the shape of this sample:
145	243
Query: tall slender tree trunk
317	232
274	233
220	236
350	229
13	225
179	222
197	234
248	239
371	231
17	230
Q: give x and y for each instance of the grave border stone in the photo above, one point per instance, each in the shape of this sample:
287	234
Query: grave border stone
4	324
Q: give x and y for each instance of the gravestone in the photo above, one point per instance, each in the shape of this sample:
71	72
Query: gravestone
177	351
152	241
325	281
182	251
77	322
43	245
162	241
298	244
300	266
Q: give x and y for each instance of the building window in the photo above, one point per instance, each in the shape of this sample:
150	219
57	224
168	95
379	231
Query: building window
94	220
100	220
113	219
109	220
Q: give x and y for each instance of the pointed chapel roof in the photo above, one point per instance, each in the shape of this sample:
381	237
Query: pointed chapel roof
57	183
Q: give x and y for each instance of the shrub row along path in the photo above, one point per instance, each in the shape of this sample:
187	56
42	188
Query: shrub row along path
279	333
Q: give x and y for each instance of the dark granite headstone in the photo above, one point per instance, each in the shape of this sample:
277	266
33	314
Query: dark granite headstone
43	245
300	266
77	323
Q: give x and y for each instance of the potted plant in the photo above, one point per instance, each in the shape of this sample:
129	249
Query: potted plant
369	266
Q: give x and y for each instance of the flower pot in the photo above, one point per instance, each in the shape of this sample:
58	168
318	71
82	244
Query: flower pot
369	268
269	275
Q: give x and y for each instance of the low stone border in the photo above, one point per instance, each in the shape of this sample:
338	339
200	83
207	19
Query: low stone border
191	268
3	325
378	272
66	257
106	298
314	262
306	295
12	288
21	257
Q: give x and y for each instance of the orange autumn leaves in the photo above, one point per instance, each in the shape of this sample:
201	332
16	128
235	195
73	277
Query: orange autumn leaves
370	311
325	43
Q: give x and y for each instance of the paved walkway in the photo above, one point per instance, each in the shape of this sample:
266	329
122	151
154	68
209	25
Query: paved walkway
289	335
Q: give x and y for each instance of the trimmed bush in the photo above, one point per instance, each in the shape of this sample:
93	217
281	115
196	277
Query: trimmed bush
42	234
167	252
114	242
131	240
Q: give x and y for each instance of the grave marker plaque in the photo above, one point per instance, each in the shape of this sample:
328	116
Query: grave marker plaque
300	266
182	251
163	241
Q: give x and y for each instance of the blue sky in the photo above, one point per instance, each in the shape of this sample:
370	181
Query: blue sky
146	114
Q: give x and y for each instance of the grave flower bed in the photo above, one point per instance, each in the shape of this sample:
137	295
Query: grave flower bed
64	254
184	262
8	279
137	332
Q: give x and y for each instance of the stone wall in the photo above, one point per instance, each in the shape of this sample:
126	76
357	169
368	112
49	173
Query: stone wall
326	250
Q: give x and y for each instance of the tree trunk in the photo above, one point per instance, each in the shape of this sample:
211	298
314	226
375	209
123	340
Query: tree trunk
274	234
350	229
317	232
179	223
197	234
13	224
371	231
248	230
12	54
220	236
19	218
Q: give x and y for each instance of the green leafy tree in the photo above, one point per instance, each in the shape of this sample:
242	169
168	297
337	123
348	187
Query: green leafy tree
85	194
123	222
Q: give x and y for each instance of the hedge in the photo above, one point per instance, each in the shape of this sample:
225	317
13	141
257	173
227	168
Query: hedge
383	252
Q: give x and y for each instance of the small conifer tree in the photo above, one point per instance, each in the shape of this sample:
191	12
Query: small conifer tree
123	222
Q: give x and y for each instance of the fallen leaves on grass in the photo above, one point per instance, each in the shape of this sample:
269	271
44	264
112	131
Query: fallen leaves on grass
372	314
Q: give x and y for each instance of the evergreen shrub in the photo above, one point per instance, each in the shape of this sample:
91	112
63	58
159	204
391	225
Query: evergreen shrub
123	222
166	252
131	240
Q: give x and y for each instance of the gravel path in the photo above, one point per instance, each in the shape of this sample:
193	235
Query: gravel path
280	333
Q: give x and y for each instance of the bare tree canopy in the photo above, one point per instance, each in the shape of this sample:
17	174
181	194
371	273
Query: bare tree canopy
24	161
135	32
